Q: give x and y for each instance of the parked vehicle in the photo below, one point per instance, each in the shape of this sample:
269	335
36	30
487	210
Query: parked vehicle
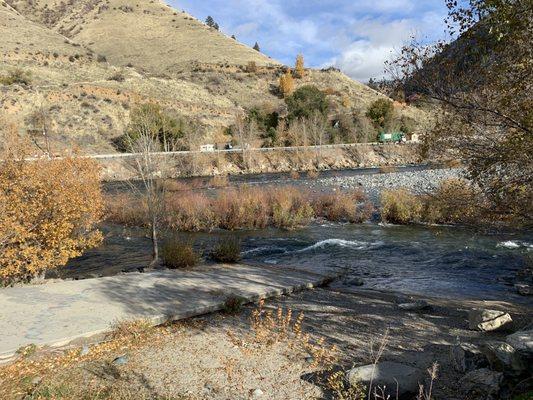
391	137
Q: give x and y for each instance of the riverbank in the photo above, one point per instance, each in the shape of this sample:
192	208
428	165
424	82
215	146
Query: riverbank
220	356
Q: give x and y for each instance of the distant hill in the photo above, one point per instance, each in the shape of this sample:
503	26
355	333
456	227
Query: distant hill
91	61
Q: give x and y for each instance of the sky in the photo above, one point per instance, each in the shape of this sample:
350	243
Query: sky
357	36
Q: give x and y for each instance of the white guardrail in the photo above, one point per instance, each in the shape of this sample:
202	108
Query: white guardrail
258	149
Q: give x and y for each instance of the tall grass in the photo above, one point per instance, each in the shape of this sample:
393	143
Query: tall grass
244	208
400	206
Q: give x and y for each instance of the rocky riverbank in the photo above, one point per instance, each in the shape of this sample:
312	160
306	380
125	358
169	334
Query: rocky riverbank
419	182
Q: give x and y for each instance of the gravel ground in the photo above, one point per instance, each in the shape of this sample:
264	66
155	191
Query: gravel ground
417	181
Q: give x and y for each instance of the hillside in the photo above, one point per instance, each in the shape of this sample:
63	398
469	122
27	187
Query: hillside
91	61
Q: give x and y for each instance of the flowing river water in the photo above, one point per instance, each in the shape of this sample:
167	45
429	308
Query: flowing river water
437	261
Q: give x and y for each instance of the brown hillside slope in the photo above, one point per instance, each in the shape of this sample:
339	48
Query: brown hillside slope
165	56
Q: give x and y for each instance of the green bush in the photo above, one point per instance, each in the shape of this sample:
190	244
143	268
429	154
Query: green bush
381	113
228	250
306	101
177	255
16	76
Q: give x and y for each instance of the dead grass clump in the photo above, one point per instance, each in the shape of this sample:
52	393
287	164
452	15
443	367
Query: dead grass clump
177	255
343	207
269	328
227	250
219	181
190	212
171	185
399	206
126	210
243	208
291	208
312	174
16	77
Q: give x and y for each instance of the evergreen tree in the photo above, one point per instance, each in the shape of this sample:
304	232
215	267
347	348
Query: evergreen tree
256	47
210	22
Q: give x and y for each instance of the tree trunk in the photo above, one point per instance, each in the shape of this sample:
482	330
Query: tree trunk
155	245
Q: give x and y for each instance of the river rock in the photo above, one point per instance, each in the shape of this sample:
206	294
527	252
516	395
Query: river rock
355	282
522	342
467	357
524	289
418	305
504	358
488	320
388	374
482	382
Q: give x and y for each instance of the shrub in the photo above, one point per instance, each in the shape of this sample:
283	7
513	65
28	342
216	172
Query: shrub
16	76
454	201
291	208
307	101
286	83
190	212
350	207
117	76
101	58
177	255
251	67
243	208
380	113
300	66
126	210
49	209
227	250
400	206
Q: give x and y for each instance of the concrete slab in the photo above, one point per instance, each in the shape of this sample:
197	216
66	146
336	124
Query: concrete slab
56	314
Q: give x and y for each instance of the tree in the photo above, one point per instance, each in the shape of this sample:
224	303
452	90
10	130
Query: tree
300	66
210	22
306	101
286	83
246	134
50	209
150	166
40	120
169	128
256	47
481	86
381	112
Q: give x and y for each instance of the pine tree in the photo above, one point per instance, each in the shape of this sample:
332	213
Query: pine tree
233	37
286	83
209	21
300	66
256	47
216	26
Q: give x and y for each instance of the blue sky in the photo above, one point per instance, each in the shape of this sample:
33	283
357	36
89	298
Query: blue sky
356	36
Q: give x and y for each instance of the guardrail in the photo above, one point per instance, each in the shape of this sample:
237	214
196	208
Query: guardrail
255	149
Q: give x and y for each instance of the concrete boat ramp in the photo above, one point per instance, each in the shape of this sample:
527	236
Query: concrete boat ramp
57	314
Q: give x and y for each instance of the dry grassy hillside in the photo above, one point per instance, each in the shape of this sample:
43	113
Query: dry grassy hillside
91	61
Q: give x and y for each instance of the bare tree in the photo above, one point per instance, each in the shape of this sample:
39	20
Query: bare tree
40	120
151	165
317	129
247	134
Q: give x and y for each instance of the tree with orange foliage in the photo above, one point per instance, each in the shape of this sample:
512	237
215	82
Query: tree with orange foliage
300	66
286	83
49	208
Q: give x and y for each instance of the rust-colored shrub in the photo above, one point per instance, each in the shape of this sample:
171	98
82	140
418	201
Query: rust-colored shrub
399	206
125	209
190	212
291	208
244	208
299	68
178	255
343	206
49	209
454	201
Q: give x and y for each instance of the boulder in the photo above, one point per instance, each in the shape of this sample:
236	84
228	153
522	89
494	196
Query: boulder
467	357
488	320
522	342
482	382
388	374
504	358
418	305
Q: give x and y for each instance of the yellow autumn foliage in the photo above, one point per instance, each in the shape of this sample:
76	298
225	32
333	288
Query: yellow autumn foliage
49	209
300	66
286	83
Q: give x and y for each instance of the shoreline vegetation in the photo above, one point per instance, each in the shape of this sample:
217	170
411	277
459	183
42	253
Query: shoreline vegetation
454	202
